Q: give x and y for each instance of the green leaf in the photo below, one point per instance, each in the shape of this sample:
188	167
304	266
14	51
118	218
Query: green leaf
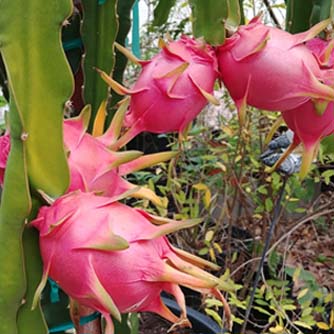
161	12
99	30
262	310
302	324
29	36
208	18
327	175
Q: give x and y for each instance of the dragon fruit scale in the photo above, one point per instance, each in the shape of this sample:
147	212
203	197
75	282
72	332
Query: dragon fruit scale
113	259
172	88
271	69
310	126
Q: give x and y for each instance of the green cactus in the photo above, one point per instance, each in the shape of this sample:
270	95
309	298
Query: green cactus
298	13
37	154
99	32
209	20
15	207
34	81
124	13
161	12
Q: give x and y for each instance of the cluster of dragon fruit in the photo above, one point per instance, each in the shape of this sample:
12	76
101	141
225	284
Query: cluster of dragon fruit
117	259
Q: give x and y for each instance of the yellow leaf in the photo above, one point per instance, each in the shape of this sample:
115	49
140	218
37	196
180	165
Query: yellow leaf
331	320
209	235
207	198
200	186
221	166
323	325
296	274
212	255
329	298
277	329
302	293
228	131
218	248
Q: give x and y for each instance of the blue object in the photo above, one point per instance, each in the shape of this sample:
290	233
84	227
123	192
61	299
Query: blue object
101	2
135	30
55	298
54	291
73	44
69	325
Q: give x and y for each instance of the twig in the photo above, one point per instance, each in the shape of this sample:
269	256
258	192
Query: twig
272	14
276	216
283	237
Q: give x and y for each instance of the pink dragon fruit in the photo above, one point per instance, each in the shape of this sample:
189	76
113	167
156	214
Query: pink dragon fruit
94	167
310	126
272	69
113	259
171	90
4	151
323	50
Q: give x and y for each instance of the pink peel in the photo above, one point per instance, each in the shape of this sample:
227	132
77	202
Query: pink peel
101	275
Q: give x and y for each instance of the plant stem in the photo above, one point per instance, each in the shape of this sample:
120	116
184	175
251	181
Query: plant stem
276	216
272	14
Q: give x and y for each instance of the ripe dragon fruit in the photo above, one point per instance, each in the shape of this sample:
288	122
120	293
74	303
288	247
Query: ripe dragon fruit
310	126
4	151
171	90
272	69
116	259
93	166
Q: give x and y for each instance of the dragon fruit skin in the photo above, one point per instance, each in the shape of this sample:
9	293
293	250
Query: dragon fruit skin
323	50
4	151
308	125
172	88
272	69
95	167
111	258
309	128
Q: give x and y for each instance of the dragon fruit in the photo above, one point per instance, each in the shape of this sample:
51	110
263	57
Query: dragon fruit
116	259
323	50
310	126
94	167
171	90
271	69
4	151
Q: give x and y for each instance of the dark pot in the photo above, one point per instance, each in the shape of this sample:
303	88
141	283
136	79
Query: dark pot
201	324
